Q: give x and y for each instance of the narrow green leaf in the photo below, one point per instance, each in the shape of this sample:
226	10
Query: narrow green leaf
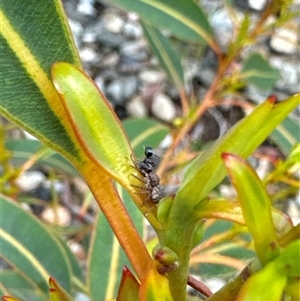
75	266
243	30
231	211
94	122
166	54
256	206
287	134
19	287
207	170
32	37
257	71
29	255
105	262
142	132
23	149
184	18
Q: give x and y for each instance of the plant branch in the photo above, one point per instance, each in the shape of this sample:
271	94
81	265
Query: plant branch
118	218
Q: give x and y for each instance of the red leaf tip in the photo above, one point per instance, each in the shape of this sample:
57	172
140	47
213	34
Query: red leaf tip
126	271
272	99
225	156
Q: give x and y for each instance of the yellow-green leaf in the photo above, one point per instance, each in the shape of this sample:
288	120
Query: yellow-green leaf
256	206
207	170
155	285
94	122
267	284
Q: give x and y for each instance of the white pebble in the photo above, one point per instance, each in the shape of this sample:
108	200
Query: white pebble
30	180
151	76
57	216
113	23
136	107
163	107
284	40
88	55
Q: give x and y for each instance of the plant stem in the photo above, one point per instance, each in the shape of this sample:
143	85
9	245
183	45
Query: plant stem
118	218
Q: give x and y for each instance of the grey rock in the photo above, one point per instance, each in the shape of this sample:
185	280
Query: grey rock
223	27
80	11
290	74
97	31
99	81
135	51
257	95
121	89
110	59
110	39
86	7
132	30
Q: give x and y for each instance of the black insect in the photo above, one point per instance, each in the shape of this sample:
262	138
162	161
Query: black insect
150	163
150	179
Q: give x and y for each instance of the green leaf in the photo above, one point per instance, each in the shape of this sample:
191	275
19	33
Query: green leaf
273	276
75	266
35	259
286	135
184	18
256	206
94	122
232	211
257	71
144	132
207	170
20	287
267	284
32	37
166	54
23	149
129	287
106	260
288	261
241	36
